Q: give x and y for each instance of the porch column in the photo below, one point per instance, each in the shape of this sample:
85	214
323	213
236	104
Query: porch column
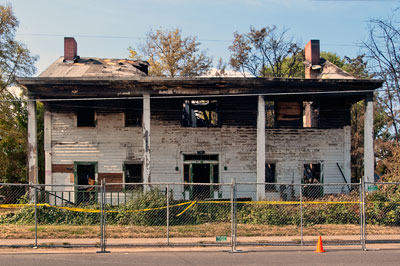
369	139
146	138
261	148
47	147
32	143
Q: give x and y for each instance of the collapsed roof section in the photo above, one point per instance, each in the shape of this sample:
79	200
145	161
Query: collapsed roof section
95	67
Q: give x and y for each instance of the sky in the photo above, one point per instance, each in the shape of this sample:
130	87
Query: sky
106	28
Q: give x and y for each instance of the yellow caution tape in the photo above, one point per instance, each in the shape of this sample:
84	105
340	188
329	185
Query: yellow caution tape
74	209
151	209
187	208
191	203
283	202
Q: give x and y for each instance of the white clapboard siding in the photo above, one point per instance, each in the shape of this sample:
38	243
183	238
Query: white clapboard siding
111	144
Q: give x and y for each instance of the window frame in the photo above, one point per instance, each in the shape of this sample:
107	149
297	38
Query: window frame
128	185
187	115
80	112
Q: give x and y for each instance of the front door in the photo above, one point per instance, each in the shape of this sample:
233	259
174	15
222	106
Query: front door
201	174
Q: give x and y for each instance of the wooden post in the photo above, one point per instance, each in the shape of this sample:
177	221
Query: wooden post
261	148
32	143
369	140
146	139
347	153
47	146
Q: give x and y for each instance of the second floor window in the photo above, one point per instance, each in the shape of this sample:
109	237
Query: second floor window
200	113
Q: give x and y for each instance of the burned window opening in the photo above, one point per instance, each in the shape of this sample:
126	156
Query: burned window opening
133	174
310	115
86	117
270	177
289	114
133	118
270	114
200	113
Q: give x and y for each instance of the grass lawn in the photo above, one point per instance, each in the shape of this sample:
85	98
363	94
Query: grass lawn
203	230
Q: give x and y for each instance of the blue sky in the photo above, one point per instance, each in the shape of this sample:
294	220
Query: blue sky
340	25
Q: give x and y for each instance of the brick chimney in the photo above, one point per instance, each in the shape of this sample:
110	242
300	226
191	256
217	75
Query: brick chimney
70	49
312	55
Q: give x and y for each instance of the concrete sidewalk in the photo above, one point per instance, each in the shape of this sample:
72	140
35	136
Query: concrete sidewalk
200	240
197	244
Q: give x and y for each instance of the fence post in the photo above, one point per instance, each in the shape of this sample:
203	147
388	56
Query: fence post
301	215
234	219
36	219
233	247
167	214
101	218
363	224
103	215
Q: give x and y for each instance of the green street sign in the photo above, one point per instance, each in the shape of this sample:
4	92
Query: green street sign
221	238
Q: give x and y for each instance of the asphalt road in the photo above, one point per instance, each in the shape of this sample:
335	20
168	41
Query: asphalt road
209	258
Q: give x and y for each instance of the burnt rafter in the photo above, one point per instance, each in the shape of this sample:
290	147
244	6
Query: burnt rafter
124	87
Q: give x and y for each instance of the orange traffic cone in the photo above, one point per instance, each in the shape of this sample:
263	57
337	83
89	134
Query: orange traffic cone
320	247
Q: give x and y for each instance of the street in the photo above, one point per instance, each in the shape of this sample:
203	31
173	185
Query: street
209	258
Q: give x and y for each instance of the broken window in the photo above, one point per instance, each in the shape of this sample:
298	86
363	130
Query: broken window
310	114
270	114
312	176
270	177
133	118
289	114
133	174
200	113
86	117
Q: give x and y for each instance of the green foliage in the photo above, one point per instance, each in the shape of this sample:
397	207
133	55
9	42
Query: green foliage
171	55
267	52
50	216
15	60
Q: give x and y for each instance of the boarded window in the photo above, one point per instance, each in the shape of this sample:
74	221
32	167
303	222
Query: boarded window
310	114
86	117
270	177
270	114
200	113
289	114
133	174
133	118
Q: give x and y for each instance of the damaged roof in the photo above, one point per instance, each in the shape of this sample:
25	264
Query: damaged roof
328	70
95	67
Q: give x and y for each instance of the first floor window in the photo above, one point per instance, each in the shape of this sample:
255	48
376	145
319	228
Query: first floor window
270	177
133	174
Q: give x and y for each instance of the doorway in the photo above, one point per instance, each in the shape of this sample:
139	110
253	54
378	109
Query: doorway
201	174
85	175
201	169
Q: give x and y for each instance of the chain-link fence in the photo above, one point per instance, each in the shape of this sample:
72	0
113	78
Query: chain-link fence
51	215
382	212
176	214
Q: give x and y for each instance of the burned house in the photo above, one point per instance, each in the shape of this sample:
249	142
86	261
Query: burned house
106	119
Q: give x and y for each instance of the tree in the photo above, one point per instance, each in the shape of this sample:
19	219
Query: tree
267	52
15	60
171	55
383	51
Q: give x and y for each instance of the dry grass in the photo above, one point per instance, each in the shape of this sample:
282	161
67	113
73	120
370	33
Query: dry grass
204	230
